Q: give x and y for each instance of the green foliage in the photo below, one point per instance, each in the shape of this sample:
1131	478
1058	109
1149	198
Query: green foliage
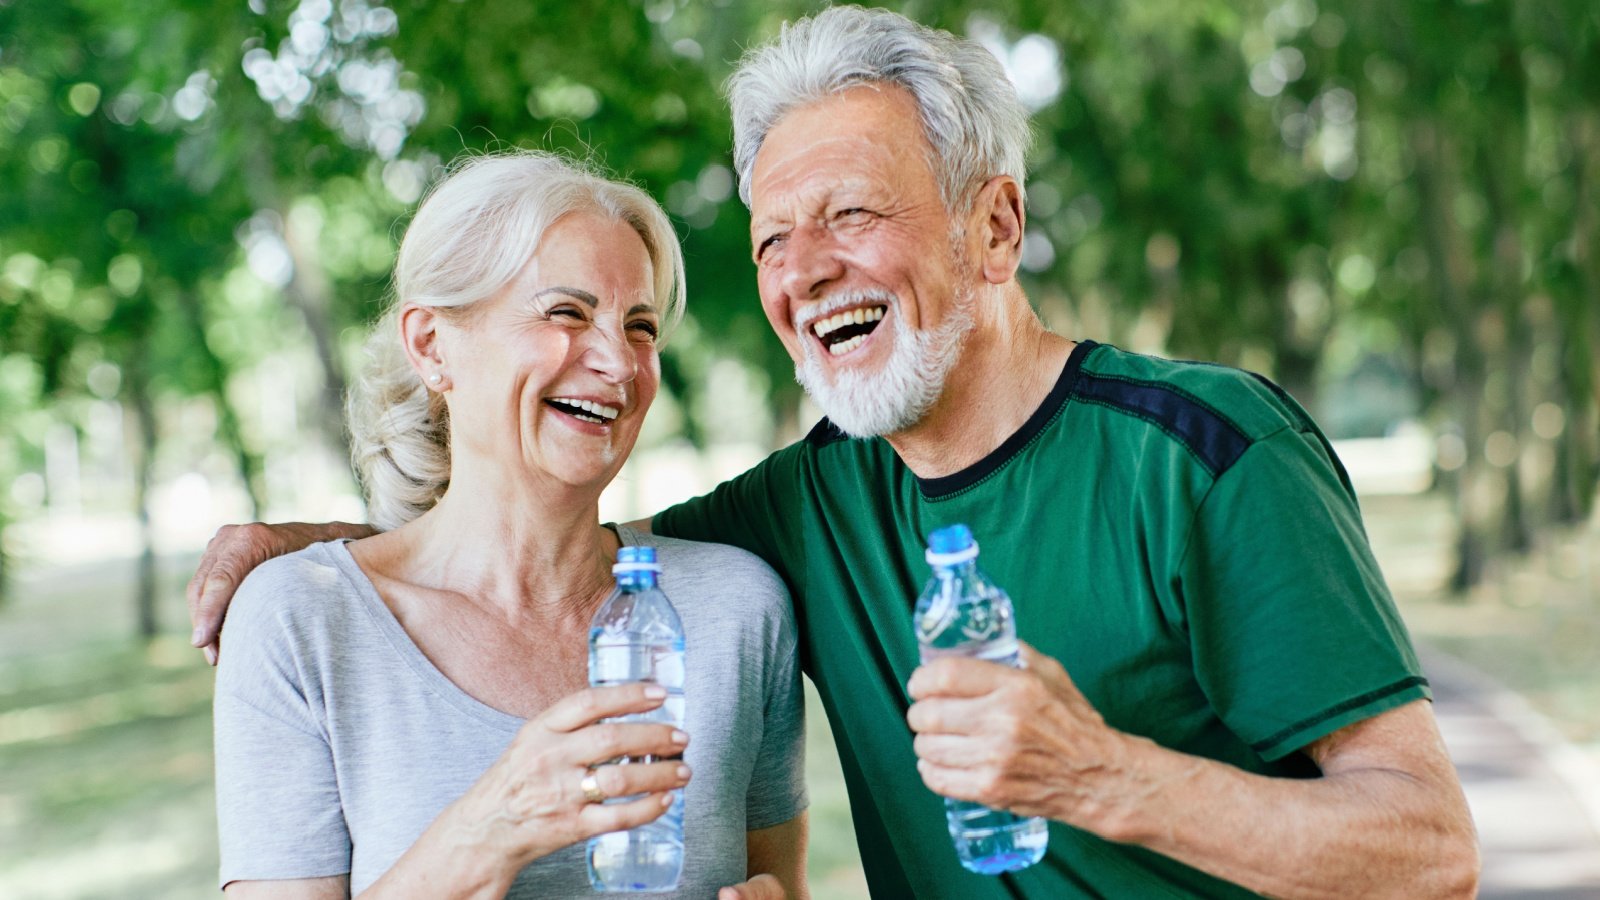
192	188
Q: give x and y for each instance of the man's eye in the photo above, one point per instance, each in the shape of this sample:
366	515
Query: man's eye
853	214
771	243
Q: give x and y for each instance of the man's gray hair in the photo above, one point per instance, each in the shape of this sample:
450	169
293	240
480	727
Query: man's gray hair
970	112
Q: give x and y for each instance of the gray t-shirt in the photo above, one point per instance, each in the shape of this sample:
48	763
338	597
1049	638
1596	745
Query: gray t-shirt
338	742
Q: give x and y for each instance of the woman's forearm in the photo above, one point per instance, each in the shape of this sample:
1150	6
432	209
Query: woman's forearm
446	863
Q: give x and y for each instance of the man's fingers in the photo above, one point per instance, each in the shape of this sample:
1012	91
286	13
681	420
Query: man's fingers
958	677
947	781
215	595
229	556
953	751
192	594
589	706
947	715
761	887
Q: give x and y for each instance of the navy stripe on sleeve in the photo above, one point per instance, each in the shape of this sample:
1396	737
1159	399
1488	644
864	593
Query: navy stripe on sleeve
1213	439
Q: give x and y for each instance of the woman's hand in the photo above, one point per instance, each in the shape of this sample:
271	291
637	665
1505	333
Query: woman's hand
532	801
539	797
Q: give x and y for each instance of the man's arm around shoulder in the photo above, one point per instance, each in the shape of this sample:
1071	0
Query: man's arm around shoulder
232	553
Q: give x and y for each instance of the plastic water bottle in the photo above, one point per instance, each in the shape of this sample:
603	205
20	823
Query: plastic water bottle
637	636
962	613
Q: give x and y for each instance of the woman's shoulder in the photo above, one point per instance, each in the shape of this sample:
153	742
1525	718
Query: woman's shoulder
306	587
700	569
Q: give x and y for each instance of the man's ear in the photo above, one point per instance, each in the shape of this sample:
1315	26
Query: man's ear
998	216
419	335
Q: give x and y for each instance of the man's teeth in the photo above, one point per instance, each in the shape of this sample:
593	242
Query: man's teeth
597	412
823	327
845	346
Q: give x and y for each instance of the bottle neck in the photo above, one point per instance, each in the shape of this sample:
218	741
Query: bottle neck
959	570
633	582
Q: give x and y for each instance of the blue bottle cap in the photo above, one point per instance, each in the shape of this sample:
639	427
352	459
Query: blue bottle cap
635	559
950	545
636	554
950	539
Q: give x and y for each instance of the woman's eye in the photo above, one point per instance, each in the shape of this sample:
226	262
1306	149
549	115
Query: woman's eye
567	312
644	329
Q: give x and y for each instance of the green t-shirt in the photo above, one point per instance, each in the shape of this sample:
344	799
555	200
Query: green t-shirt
1180	536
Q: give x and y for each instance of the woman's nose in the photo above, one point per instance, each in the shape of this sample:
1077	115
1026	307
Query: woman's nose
609	354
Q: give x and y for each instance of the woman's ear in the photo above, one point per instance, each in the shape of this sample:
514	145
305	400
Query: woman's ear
998	215
419	334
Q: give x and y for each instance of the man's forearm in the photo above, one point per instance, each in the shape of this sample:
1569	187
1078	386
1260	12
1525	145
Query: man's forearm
332	531
1362	831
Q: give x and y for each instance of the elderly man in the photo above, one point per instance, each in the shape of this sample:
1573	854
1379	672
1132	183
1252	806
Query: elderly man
1222	698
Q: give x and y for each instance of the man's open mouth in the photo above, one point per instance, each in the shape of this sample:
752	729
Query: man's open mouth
584	410
845	331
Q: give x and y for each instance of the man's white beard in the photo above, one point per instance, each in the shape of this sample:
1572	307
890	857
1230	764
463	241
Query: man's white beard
897	395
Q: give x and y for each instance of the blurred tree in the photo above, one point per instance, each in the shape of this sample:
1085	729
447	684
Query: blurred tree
118	217
194	188
1464	210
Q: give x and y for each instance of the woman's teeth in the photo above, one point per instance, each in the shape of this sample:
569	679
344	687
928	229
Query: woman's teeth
587	410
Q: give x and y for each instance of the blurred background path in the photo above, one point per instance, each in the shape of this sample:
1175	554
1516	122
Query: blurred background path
1535	798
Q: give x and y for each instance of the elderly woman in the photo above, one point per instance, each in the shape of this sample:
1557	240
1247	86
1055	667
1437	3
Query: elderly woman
408	714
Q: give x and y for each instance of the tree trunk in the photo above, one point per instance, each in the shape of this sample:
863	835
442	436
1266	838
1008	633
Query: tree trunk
248	463
309	292
1503	284
1582	365
1465	395
5	563
144	412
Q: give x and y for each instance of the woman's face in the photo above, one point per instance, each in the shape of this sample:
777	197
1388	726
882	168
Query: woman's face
556	372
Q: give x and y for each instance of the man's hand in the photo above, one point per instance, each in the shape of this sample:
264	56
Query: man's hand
1386	819
761	887
1024	740
232	553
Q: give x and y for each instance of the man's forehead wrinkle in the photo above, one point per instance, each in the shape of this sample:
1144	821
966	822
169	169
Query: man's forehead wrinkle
846	146
814	186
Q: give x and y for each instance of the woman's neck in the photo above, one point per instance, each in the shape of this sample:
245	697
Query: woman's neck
530	551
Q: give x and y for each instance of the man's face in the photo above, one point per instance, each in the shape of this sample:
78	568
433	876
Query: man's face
860	266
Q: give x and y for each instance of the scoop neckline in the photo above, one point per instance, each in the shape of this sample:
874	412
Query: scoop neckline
400	641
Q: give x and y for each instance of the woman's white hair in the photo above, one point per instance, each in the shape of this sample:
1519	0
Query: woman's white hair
473	234
970	112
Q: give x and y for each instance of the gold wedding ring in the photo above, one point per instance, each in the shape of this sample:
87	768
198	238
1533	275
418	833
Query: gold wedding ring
591	789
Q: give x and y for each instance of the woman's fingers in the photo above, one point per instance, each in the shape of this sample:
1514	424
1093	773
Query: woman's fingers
640	778
599	818
602	743
589	706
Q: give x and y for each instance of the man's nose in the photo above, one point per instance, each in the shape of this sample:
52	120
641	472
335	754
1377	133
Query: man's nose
811	263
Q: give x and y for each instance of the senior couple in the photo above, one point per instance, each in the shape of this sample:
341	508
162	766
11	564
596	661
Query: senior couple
1219	698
